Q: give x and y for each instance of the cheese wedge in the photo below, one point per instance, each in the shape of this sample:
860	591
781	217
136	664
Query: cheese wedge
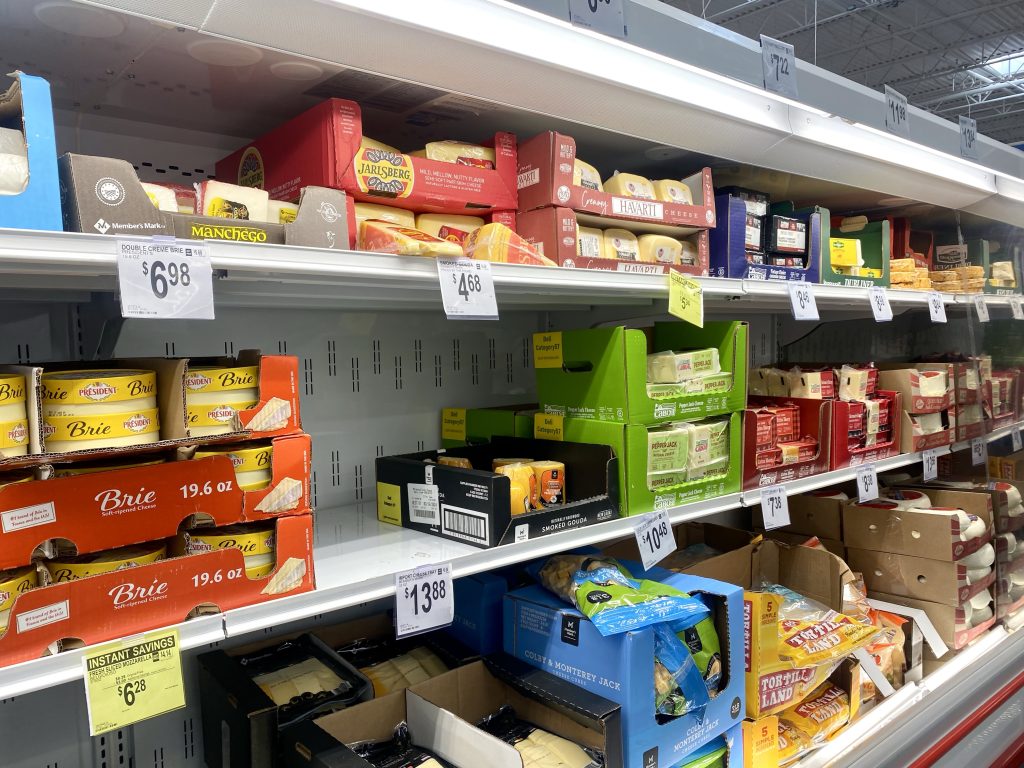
398	216
672	191
280	212
162	197
385	237
629	185
590	242
660	249
285	496
367	143
230	201
453	228
458	152
901	265
621	244
496	242
274	415
288	577
586	175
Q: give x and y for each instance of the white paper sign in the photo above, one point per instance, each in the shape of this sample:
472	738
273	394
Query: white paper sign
880	306
929	465
604	16
165	278
423	599
467	289
1017	308
896	112
778	62
801	296
774	507
979	451
1015	438
867	483
936	307
968	137
654	538
981	307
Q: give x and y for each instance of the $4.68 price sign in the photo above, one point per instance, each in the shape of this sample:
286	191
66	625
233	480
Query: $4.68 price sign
423	599
778	62
467	289
654	537
132	680
165	278
774	507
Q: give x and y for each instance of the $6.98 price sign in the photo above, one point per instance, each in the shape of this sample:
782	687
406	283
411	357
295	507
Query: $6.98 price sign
165	279
423	599
654	538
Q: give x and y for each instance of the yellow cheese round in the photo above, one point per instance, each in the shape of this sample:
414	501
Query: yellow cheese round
205	378
70	388
14	583
660	249
72	568
218	419
629	185
64	433
586	175
251	539
252	463
621	244
258	566
14	438
12	397
672	191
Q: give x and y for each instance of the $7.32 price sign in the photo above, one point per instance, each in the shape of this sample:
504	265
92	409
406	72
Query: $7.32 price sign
654	538
467	289
165	278
423	599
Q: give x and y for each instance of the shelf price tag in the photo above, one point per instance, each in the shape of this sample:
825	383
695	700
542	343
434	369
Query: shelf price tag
778	62
685	299
1017	308
467	289
981	308
880	306
979	451
423	599
604	16
132	680
936	308
654	537
968	137
867	483
774	507
929	465
801	296
1015	438
896	112
164	278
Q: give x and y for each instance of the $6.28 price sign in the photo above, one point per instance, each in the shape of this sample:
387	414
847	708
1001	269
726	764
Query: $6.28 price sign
654	538
423	599
165	278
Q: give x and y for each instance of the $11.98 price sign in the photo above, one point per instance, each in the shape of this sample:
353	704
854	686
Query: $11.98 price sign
423	599
654	537
165	278
467	289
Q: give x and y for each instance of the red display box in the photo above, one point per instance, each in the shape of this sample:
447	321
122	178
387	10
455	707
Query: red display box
842	454
815	421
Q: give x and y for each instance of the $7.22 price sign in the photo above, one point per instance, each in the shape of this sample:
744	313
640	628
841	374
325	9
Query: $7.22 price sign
165	278
423	599
654	538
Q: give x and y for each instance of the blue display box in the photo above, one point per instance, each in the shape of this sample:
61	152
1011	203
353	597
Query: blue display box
732	739
478	607
26	106
544	631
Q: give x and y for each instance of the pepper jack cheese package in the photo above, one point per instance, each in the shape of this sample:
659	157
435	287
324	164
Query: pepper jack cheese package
72	568
385	237
674	367
230	201
496	242
621	244
448	227
629	185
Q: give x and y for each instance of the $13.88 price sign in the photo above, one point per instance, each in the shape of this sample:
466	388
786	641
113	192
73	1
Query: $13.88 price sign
165	279
655	538
132	680
423	599
467	289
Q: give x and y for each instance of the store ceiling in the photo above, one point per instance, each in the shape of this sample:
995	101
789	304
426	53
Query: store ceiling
951	57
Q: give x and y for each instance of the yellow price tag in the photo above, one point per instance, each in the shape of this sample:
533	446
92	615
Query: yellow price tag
132	680
547	350
685	299
453	424
548	426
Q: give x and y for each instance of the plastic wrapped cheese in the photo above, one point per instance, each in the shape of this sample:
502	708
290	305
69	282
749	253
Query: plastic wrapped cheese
367	143
496	242
162	197
13	162
672	191
448	226
457	152
982	558
629	185
398	216
230	201
667	447
660	249
586	175
621	244
385	237
280	212
590	243
674	367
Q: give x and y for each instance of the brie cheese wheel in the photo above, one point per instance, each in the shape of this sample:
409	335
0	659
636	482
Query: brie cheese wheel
72	568
258	566
252	464
220	419
203	379
80	433
12	584
82	391
14	438
251	539
12	397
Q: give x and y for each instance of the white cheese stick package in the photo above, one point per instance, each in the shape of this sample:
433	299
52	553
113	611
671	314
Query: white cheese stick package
13	162
230	201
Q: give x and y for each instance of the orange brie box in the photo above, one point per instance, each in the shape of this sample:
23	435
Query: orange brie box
140	598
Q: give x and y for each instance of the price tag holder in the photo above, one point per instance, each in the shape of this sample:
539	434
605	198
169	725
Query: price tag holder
896	113
423	599
604	16
467	289
968	137
801	296
132	680
1015	438
929	465
164	278
1017	308
774	507
654	537
936	307
867	483
880	306
979	451
981	308
685	299
778	62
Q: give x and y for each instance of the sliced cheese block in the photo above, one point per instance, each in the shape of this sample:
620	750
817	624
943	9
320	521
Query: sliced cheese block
629	185
621	244
589	242
496	242
458	152
288	577
448	227
230	201
660	249
398	216
280	212
586	175
672	191
13	162
367	143
162	197
275	414
285	496
385	237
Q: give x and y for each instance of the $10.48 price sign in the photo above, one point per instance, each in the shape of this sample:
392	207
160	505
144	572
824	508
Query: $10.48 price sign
654	537
467	289
165	279
423	599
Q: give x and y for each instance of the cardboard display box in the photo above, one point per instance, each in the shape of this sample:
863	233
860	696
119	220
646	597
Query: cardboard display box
547	633
937	581
842	455
909	382
813	514
907	243
26	106
554	231
718	537
545	179
948	620
815	422
145	597
629	442
834	546
322	147
474	504
469	426
875	249
731	743
601	373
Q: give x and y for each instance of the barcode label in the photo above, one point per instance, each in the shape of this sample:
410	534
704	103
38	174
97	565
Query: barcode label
464	524
423	503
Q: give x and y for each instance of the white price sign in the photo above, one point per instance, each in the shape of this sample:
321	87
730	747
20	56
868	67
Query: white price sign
778	62
163	278
867	483
929	465
467	289
896	112
801	296
880	306
968	137
981	308
936	307
654	538
604	16
774	507
423	599
1017	308
1015	438
979	451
